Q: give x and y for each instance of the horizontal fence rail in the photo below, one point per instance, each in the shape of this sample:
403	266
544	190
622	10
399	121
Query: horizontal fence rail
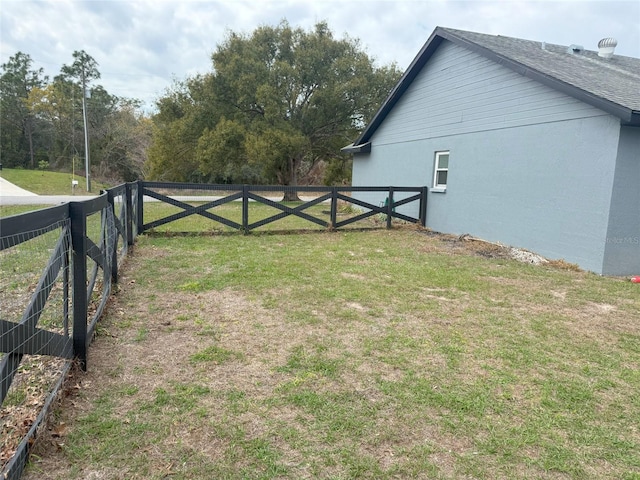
91	239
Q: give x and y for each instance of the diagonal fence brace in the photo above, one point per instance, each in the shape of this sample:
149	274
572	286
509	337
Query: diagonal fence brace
20	338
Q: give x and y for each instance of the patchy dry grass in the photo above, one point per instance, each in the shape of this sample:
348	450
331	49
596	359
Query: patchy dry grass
382	354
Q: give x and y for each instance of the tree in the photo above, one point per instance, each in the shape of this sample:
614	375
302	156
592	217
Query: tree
185	113
57	106
43	121
301	94
17	120
222	155
124	138
283	98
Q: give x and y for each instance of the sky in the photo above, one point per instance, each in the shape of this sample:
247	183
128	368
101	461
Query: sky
143	46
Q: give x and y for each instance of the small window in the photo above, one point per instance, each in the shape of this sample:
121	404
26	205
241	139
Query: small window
441	169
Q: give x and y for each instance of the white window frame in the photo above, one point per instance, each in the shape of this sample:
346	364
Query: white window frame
437	169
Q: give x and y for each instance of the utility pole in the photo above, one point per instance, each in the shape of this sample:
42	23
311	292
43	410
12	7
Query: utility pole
87	163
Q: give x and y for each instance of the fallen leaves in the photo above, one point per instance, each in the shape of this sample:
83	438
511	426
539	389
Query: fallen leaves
26	397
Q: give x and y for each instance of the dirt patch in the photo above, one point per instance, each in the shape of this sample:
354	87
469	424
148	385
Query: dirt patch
599	321
476	246
466	244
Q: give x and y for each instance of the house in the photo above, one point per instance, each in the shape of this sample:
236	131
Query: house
526	143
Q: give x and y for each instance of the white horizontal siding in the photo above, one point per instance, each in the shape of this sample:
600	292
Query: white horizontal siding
459	92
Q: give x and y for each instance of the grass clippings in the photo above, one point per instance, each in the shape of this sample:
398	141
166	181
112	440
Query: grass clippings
382	354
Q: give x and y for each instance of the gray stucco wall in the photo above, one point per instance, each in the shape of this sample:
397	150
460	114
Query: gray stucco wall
529	166
460	92
622	249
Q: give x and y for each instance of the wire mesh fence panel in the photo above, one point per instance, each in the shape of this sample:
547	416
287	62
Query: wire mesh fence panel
101	236
134	211
120	222
34	315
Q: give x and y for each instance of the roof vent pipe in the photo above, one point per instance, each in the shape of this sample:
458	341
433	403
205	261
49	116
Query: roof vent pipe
606	47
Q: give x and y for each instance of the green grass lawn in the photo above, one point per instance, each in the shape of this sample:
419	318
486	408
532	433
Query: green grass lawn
43	182
257	212
355	354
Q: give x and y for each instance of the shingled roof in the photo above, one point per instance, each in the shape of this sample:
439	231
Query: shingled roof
612	84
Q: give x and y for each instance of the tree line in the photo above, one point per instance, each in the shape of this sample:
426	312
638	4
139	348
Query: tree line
276	108
41	121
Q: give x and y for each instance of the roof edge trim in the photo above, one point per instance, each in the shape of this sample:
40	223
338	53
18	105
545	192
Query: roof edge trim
409	75
627	116
353	148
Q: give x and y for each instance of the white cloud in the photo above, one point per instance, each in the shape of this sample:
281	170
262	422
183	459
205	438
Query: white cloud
141	45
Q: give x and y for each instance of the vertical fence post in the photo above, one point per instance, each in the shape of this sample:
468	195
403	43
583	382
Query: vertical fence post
389	207
334	207
140	206
245	209
116	236
78	242
129	213
423	206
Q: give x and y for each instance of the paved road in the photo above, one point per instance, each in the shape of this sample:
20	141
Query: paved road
11	194
9	189
58	199
41	199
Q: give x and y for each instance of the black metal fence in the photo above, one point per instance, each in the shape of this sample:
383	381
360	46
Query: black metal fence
92	240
